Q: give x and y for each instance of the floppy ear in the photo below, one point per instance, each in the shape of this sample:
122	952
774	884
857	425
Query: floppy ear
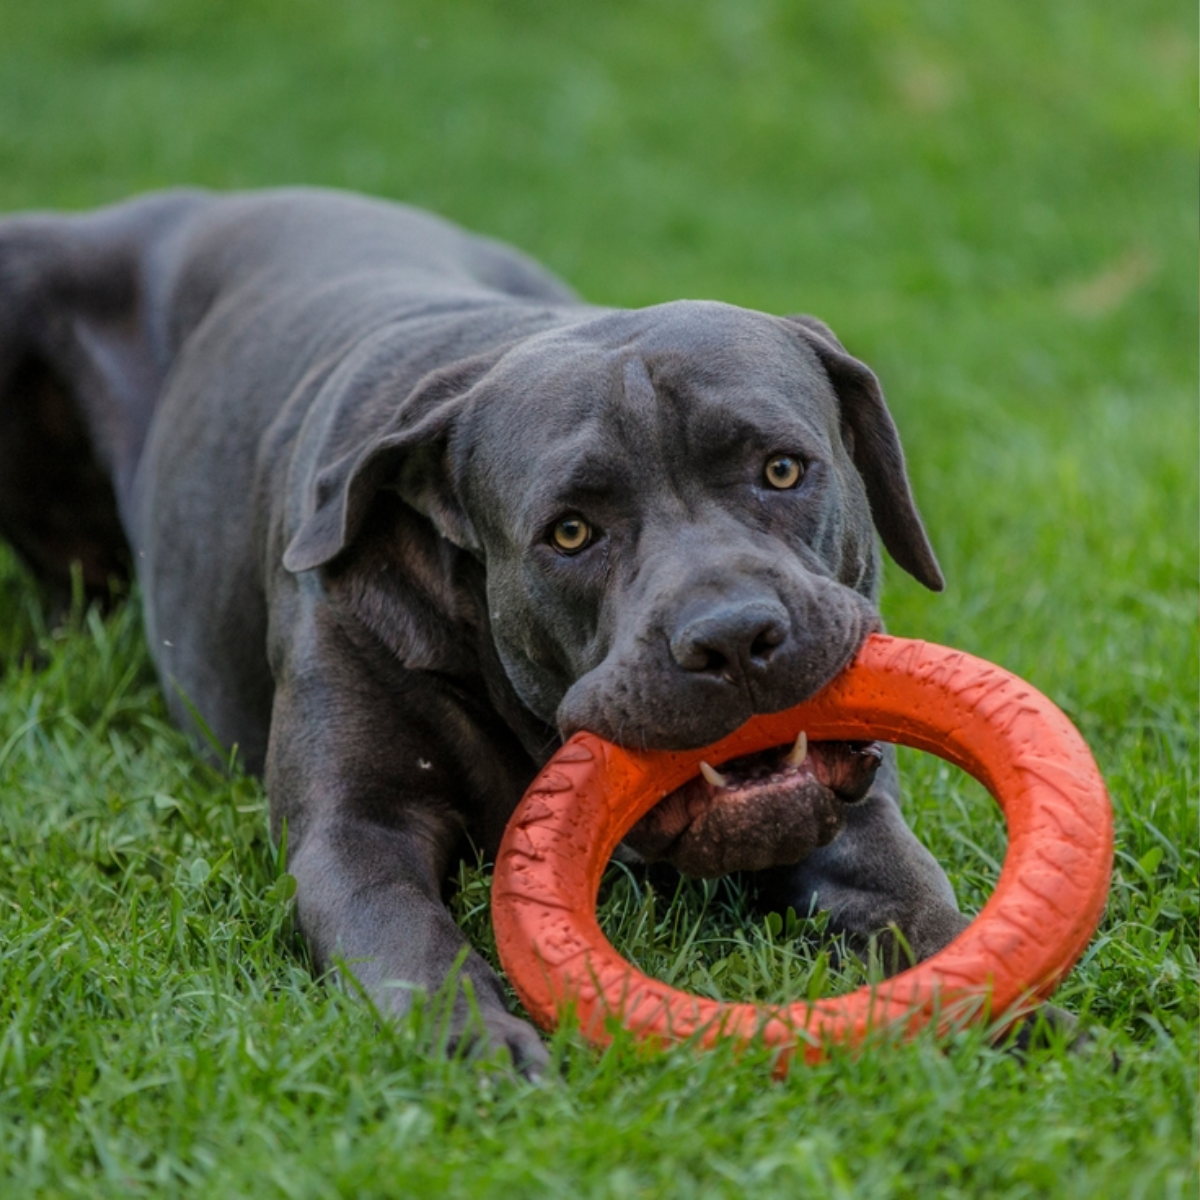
876	453
408	455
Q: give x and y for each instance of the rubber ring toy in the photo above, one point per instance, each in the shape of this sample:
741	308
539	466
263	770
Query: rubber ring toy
1048	901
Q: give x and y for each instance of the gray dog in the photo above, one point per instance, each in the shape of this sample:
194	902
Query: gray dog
405	512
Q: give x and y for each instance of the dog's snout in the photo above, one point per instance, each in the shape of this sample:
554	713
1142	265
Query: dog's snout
731	640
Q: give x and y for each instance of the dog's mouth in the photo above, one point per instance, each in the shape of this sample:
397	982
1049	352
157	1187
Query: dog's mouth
761	810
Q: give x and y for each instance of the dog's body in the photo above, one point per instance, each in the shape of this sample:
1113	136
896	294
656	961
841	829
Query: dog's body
404	510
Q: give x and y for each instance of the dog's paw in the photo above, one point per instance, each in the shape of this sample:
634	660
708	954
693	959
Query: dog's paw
1049	1026
479	1035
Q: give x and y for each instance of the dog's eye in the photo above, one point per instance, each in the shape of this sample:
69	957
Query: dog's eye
784	471
571	534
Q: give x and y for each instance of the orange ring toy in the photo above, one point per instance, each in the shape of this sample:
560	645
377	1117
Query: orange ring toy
1046	906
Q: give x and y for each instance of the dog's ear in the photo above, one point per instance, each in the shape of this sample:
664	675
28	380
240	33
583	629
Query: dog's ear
874	447
408	455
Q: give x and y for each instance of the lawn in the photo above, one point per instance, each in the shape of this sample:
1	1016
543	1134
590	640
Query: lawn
996	207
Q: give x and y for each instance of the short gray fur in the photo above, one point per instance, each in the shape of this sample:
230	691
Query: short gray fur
331	435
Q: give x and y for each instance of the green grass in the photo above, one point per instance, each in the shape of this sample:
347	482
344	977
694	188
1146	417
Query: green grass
995	205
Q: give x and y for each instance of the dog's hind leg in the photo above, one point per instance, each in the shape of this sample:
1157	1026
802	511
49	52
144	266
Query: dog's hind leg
57	505
81	367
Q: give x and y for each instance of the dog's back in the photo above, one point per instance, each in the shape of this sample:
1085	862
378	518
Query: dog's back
95	309
110	325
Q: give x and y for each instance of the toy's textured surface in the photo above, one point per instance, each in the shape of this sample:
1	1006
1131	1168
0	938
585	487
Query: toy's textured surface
1022	748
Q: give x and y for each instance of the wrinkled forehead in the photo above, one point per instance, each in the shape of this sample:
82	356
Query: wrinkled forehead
624	385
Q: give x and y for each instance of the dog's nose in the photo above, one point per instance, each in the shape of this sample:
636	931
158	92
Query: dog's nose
729	641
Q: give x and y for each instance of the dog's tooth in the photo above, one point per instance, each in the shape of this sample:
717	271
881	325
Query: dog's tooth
799	752
713	775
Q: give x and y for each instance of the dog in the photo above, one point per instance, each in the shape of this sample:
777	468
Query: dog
405	512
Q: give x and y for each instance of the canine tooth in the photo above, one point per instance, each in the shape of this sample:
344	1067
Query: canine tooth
799	752
713	775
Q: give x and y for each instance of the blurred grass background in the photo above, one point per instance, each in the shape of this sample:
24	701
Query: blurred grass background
993	205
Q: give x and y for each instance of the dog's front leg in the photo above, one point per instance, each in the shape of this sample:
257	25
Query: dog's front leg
369	773
875	879
368	902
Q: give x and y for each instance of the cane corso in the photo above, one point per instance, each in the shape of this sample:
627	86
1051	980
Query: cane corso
405	512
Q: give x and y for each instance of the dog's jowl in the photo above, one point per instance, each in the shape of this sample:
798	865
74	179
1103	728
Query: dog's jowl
405	511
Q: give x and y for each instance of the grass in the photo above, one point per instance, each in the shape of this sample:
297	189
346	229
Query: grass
996	207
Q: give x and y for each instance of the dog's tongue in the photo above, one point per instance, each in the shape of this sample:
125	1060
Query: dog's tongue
763	810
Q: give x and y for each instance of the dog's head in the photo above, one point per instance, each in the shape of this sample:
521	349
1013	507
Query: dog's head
676	507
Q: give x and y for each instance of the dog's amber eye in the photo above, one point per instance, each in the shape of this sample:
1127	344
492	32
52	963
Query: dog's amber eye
572	534
783	471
